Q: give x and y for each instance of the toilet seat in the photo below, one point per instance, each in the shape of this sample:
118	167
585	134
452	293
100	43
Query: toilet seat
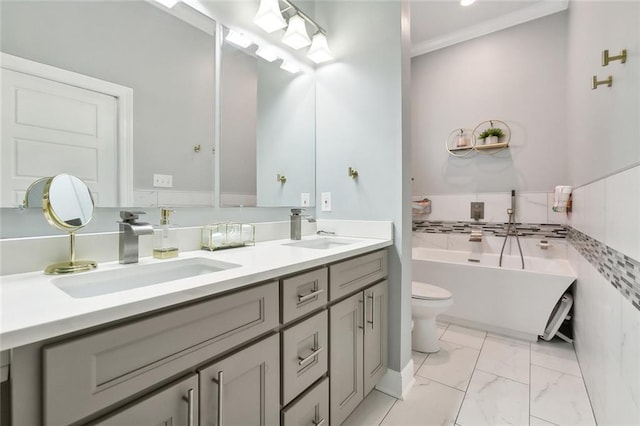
426	291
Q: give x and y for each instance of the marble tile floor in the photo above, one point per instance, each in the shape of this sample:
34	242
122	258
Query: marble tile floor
480	379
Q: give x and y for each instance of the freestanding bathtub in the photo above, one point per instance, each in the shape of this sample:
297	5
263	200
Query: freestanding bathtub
505	300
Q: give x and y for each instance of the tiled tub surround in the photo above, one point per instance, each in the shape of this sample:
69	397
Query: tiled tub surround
606	321
620	270
540	230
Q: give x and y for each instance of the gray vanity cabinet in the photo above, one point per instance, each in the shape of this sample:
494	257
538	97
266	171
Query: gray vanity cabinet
358	331
175	405
243	388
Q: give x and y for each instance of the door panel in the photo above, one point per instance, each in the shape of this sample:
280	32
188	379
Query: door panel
44	120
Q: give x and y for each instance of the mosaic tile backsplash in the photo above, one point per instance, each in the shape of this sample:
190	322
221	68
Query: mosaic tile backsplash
539	230
621	271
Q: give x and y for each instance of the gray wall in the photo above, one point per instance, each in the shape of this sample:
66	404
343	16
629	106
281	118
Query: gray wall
168	63
360	124
604	135
517	75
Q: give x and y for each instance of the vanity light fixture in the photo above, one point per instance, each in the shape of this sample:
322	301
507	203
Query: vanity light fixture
296	35
466	2
269	16
238	39
319	51
267	53
290	66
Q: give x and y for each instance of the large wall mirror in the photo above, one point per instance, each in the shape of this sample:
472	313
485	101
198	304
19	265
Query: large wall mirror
267	143
170	66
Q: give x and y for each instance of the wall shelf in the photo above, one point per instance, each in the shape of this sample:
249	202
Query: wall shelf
463	142
492	146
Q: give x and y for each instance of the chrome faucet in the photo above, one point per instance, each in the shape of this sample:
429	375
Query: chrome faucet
130	229
296	223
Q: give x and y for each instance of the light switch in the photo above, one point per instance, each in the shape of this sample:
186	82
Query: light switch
325	200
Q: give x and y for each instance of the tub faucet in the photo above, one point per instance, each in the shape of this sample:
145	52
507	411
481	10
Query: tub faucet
296	223
130	229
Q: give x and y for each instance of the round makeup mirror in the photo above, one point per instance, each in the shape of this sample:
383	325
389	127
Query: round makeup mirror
68	205
34	193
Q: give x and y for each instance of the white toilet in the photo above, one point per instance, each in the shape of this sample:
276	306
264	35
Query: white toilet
427	302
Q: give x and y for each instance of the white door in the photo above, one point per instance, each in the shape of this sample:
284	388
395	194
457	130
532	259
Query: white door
50	128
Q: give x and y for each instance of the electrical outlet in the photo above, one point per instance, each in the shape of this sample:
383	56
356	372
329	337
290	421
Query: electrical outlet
305	199
162	181
325	200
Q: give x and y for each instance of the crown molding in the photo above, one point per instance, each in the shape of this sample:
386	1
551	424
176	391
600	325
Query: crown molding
487	27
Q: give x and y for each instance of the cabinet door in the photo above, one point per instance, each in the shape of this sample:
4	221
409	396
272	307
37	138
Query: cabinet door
375	334
244	388
345	358
176	405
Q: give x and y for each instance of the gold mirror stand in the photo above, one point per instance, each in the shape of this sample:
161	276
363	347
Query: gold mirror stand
71	265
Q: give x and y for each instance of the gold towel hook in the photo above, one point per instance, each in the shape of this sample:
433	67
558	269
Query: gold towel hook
281	178
595	83
622	57
352	173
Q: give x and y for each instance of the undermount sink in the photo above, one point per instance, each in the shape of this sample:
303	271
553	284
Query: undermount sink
136	276
322	243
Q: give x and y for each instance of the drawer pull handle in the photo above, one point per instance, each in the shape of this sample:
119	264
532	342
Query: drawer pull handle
311	295
189	400
319	422
364	313
373	307
219	381
302	361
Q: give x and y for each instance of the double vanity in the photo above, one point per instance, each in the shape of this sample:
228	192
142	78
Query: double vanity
282	332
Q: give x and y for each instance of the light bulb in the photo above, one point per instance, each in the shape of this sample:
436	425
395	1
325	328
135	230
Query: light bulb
269	16
288	66
238	39
296	35
319	51
267	53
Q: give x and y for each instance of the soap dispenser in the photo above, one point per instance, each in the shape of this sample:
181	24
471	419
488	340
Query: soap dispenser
166	237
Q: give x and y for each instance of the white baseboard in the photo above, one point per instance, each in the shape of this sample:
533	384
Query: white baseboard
397	384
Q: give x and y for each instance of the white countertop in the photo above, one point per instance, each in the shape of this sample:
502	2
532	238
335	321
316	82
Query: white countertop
33	309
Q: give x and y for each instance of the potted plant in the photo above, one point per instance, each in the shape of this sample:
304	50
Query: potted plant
491	136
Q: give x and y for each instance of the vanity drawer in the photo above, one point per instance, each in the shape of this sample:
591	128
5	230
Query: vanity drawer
353	274
311	409
302	294
89	373
304	355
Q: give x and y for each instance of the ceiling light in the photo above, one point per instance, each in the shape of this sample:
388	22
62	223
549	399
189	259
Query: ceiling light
296	35
466	2
168	3
288	66
319	51
269	16
267	53
238	39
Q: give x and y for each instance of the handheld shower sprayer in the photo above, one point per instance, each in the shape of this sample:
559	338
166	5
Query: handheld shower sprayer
511	228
